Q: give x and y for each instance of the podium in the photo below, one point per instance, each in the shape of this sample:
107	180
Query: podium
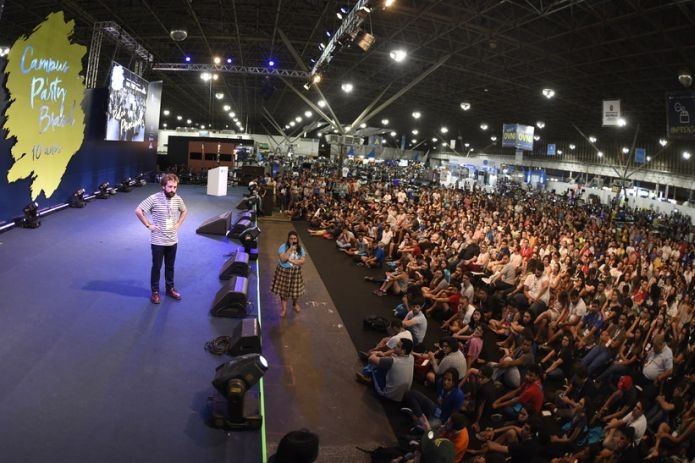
217	181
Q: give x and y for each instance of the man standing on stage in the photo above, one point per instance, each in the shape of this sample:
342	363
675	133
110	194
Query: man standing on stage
167	212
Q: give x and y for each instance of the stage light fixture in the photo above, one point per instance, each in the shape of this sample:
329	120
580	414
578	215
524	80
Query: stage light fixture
126	185
103	192
365	41
249	238
77	199
140	180
233	379
31	216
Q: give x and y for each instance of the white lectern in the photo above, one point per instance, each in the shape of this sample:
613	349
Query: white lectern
217	181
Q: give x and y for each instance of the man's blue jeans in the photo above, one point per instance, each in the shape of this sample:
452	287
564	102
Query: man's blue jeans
167	254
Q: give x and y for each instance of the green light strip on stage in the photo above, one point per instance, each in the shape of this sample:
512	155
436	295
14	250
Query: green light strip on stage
264	442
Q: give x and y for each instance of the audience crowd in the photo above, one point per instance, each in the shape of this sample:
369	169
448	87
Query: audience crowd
565	329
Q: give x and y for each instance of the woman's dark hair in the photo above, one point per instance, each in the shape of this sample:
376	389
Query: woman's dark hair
297	447
299	246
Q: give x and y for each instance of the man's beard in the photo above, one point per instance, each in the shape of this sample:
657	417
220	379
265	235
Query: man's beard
170	194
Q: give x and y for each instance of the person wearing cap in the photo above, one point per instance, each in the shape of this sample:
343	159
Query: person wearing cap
435	450
455	429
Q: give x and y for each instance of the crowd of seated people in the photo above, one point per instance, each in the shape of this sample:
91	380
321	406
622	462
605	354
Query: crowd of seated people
583	320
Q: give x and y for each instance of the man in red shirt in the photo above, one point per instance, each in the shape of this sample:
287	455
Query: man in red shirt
530	393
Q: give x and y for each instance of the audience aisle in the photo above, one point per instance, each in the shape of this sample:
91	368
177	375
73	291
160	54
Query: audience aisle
312	361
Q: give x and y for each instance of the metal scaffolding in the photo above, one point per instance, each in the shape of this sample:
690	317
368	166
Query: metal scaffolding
188	67
122	39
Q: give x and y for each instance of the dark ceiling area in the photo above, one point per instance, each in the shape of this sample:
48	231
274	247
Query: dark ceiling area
497	56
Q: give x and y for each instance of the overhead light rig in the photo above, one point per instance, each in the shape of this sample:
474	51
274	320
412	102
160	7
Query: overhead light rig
349	31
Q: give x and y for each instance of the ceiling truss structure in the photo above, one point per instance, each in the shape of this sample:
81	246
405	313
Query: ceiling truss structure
502	54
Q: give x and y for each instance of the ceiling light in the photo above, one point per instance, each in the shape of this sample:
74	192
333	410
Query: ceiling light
685	77
444	130
308	114
414	131
398	55
466	145
600	154
347	87
226	108
178	35
188	121
572	146
465	106
219	95
559	152
434	140
206	76
298	119
686	155
626	150
649	158
483	126
229	60
592	139
493	138
663	141
166	112
178	118
292	123
622	122
217	60
232	114
393	134
389	3
187	59
271	63
536	137
540	124
416	115
316	78
321	103
384	122
164	125
548	93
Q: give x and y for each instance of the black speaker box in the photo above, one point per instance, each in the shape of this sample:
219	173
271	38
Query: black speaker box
237	264
248	215
238	228
246	338
215	225
231	300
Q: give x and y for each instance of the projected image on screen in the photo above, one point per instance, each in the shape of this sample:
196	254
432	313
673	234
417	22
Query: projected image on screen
127	100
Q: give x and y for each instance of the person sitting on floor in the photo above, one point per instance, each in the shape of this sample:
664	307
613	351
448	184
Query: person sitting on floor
375	259
386	345
448	356
428	413
391	376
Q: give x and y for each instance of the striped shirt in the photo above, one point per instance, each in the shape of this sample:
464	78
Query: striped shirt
165	214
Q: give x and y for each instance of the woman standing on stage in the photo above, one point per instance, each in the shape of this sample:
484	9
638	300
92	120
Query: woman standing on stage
288	281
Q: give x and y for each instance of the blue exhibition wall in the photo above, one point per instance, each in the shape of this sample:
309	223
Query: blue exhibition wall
95	162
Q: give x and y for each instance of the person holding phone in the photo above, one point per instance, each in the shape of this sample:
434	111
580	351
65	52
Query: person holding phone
287	281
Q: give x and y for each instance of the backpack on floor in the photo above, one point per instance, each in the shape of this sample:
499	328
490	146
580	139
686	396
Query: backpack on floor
376	323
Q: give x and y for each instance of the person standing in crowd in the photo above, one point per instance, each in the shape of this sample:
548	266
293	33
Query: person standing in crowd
167	212
287	281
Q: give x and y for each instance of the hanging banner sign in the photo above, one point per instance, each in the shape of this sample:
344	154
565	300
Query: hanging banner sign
680	116
517	136
551	149
640	155
611	113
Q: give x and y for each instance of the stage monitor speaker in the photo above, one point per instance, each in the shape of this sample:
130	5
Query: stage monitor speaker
246	338
247	215
240	227
237	264
215	225
231	300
